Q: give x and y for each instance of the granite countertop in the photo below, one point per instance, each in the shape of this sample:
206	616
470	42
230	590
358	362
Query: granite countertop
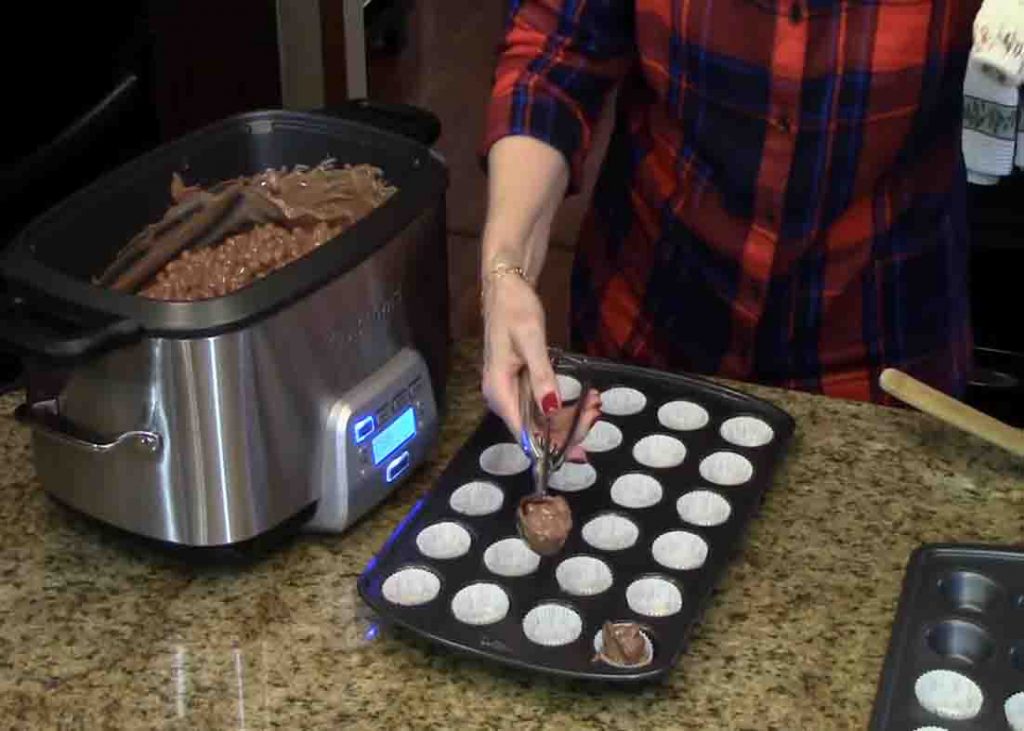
100	631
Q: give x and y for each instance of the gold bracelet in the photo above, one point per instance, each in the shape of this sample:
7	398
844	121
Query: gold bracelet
497	272
503	270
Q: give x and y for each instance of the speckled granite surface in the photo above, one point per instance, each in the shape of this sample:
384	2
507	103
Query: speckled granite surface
98	631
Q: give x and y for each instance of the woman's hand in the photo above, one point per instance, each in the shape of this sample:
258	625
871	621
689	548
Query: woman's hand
515	338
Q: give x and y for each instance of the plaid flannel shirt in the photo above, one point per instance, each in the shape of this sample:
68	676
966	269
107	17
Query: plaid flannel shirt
783	196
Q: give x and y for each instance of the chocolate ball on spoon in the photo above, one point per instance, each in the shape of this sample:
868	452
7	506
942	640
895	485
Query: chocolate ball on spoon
545	521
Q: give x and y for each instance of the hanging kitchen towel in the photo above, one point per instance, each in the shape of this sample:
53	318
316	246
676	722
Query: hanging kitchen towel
994	75
990	125
999	40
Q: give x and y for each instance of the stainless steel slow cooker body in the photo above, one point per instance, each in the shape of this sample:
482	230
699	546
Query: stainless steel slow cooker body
203	423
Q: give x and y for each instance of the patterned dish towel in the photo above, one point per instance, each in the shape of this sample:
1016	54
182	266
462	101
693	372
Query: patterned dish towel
993	135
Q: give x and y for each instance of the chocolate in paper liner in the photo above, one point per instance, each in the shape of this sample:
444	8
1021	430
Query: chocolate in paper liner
622	401
573	477
552	624
583	576
444	540
477	498
411	586
746	431
680	550
511	557
704	508
683	416
1013	708
949	694
545	522
504	460
659	451
611	657
480	604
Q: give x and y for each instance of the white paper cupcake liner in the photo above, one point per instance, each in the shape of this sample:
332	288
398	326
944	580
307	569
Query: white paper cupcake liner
654	597
610	532
1014	711
726	468
599	648
949	694
511	557
573	477
603	437
443	541
504	460
704	508
622	401
683	416
552	625
583	576
411	586
568	388
480	604
636	490
477	498
680	550
659	452
746	431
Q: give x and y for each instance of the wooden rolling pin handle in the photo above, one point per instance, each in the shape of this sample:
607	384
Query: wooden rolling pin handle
931	401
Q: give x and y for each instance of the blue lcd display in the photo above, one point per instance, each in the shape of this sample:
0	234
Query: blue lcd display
397	433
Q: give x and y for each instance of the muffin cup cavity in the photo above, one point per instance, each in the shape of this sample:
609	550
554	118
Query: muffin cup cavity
636	490
552	624
504	460
583	576
659	451
411	586
476	499
683	416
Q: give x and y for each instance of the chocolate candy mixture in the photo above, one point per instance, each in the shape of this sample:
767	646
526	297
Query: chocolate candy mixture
217	241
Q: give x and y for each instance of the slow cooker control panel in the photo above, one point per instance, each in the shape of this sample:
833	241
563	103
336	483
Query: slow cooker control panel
376	435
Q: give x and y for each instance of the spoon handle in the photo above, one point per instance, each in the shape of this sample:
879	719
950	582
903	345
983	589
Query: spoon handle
953	412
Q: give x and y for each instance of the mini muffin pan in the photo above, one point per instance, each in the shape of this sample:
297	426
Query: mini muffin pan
677	467
956	654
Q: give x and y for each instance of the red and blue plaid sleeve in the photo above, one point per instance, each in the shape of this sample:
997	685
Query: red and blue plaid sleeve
558	61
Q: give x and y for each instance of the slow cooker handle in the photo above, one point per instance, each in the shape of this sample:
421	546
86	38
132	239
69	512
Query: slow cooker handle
403	119
31	333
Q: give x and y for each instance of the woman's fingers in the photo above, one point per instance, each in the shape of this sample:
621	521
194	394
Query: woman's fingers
533	349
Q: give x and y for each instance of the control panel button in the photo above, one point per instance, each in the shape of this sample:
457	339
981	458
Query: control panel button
397	466
364	428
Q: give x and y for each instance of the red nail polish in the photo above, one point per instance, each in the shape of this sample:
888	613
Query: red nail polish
549	403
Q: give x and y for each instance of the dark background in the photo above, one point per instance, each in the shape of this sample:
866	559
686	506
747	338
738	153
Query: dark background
179	65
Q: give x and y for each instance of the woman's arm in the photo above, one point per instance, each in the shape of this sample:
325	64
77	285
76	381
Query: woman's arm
559	61
528	180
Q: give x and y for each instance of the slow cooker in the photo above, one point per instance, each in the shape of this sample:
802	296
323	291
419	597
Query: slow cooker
308	395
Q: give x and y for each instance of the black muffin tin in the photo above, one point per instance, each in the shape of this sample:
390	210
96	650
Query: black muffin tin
505	641
961	609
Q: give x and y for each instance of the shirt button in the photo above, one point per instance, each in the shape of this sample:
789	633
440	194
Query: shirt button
784	124
796	13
